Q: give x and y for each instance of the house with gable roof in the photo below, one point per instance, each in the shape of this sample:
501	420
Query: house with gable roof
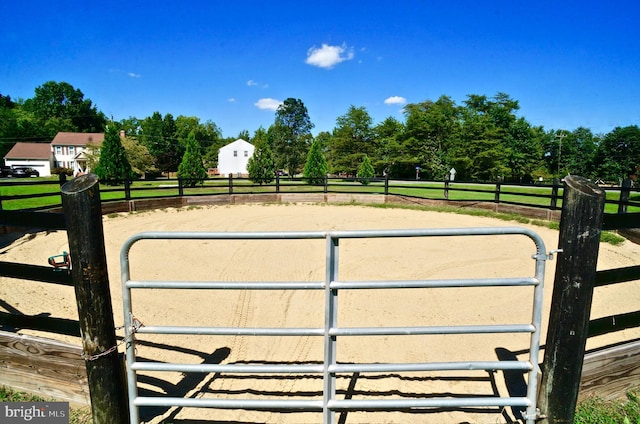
69	149
234	157
33	155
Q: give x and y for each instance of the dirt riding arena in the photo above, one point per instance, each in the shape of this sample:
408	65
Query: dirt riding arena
304	260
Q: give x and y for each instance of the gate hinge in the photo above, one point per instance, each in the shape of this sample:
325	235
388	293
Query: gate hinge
535	416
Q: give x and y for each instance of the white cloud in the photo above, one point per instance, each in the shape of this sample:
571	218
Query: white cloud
231	99
267	104
134	75
251	83
395	100
328	56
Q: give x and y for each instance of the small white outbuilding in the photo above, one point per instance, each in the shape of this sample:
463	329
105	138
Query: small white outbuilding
233	158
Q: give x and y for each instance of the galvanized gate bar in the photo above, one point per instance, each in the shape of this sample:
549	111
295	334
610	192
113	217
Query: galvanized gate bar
331	332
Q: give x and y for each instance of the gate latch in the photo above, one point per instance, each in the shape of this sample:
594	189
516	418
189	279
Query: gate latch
548	256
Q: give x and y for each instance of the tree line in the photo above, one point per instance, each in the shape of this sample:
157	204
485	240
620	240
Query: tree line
483	139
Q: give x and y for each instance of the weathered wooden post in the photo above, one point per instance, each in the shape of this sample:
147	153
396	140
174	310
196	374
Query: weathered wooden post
496	198
625	191
386	184
82	210
127	189
580	227
230	182
326	184
446	187
180	187
554	195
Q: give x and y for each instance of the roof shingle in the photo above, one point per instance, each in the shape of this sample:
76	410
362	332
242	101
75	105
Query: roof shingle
77	139
30	151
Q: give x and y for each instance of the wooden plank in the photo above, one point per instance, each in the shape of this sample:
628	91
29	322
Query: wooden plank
46	274
49	368
619	221
613	323
46	220
610	373
617	275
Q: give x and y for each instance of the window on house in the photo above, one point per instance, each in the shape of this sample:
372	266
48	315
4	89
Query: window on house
58	150
72	150
235	153
246	153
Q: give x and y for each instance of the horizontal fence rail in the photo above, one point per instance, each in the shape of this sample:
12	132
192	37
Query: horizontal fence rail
331	332
44	193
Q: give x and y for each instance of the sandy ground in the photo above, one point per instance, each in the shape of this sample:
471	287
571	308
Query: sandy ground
289	260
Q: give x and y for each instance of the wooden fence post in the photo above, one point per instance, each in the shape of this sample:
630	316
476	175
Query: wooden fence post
554	195
127	189
82	210
386	184
326	184
231	183
625	190
446	187
496	198
180	187
579	239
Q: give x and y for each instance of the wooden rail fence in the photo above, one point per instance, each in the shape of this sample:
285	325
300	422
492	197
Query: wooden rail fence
54	368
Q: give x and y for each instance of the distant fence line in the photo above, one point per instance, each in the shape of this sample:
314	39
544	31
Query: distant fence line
546	197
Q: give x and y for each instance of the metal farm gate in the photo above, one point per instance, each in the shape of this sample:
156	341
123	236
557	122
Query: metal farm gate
331	332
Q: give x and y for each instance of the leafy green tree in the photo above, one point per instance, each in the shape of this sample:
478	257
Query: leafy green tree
385	138
191	167
352	138
366	171
261	166
160	136
523	150
432	129
291	135
113	165
315	168
61	107
142	162
618	155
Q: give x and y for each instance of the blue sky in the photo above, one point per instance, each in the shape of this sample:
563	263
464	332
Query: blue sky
568	63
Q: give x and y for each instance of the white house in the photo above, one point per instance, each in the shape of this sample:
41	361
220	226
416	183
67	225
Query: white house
233	158
34	155
69	149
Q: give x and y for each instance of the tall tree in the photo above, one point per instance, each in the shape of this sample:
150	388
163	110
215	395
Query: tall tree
113	163
191	167
261	166
432	129
61	107
352	139
315	168
618	155
291	135
160	136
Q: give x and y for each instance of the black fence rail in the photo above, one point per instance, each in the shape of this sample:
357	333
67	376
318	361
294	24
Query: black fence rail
44	194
